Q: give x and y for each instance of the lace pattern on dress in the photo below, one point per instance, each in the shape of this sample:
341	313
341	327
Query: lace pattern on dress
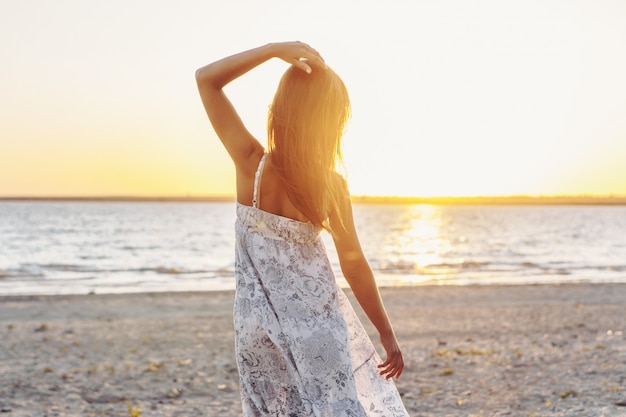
300	348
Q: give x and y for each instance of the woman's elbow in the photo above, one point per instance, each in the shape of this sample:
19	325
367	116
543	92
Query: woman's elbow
204	77
200	76
354	268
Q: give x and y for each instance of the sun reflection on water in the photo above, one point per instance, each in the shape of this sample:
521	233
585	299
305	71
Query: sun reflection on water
419	246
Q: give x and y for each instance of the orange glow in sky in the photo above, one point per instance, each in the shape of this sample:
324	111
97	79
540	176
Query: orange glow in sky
449	98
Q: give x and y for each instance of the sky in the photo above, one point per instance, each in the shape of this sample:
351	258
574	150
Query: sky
449	98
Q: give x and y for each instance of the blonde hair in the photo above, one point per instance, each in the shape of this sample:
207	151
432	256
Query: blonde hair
305	124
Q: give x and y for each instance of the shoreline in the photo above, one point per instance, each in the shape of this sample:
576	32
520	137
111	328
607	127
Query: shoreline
522	350
409	287
223	288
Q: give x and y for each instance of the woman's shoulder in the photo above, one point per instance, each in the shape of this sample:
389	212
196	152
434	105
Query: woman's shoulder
248	166
246	169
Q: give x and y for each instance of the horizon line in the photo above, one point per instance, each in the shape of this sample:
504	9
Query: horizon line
522	199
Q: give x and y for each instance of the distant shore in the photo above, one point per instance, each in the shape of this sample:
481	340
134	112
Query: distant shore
608	200
529	350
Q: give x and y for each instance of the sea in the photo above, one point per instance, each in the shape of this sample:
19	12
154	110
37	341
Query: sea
83	247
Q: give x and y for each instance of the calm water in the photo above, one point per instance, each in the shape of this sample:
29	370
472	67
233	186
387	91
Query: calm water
103	247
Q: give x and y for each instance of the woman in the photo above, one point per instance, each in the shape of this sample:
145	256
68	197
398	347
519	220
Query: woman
301	350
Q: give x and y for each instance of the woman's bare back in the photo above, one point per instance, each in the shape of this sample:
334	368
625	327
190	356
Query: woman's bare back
273	197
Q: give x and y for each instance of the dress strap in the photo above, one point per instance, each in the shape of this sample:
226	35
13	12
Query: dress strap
257	182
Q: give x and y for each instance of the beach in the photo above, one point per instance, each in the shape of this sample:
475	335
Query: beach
510	350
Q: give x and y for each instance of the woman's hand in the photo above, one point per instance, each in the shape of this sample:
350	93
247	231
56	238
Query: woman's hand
295	53
394	363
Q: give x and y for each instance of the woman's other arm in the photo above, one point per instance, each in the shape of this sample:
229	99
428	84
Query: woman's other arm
360	277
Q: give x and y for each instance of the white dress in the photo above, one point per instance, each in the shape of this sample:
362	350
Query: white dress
300	348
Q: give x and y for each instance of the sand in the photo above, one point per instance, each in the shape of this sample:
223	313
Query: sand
549	350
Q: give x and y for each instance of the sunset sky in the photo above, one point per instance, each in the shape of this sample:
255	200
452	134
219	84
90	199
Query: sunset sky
450	98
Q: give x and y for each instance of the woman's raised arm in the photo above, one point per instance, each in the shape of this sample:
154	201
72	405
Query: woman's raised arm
211	79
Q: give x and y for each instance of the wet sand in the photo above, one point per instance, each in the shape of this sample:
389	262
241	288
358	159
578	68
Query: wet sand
544	350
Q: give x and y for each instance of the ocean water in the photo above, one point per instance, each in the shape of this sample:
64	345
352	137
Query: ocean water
116	247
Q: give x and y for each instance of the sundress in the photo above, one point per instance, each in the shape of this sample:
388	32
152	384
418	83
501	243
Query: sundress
300	348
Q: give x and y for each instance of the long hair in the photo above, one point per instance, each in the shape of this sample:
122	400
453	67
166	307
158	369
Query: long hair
305	124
